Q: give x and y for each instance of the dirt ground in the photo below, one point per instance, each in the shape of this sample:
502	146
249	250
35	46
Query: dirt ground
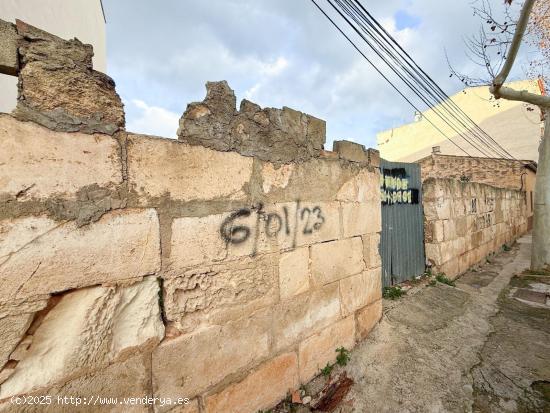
481	346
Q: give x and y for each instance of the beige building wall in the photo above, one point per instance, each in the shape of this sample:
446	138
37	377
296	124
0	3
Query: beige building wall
512	124
82	19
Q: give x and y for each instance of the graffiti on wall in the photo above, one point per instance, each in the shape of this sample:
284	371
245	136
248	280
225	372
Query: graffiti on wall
289	222
394	188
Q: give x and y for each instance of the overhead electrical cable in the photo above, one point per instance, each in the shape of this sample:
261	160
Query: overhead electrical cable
403	59
413	76
384	76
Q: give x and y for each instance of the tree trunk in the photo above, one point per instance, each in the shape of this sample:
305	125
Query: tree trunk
540	256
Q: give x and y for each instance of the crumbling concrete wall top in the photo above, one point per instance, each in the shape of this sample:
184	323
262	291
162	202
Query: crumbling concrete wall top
276	135
58	87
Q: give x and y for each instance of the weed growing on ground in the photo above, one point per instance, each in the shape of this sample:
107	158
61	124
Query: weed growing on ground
393	292
327	370
545	271
442	278
343	356
506	247
432	283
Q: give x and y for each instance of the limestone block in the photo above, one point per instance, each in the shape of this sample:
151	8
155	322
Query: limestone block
161	167
276	177
8	49
316	351
360	290
216	293
191	407
16	233
461	226
359	219
36	163
449	229
451	268
261	389
248	231
334	260
126	379
320	224
433	253
448	251
121	245
432	190
189	364
15	319
363	187
294	272
374	157
371	250
305	314
86	329
350	151
367	318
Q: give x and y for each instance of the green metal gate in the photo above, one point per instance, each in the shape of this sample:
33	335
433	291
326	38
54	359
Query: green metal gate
402	237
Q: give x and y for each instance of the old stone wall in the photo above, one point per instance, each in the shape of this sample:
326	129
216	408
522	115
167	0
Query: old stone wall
464	222
501	173
136	266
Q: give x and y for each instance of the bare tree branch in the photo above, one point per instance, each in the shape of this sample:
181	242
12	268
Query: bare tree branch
516	43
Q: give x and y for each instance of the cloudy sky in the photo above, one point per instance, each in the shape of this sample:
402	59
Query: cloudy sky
275	53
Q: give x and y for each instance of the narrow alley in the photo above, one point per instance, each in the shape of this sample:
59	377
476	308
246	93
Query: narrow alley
480	346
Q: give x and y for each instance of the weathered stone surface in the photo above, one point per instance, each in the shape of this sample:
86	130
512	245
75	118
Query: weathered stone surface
16	233
189	364
276	177
374	157
316	351
38	163
261	389
159	167
367	318
88	328
304	314
191	407
59	89
334	260
363	187
217	293
294	272
122	380
12	329
360	290
121	245
276	135
8	49
359	219
465	221
371	250
350	151
251	230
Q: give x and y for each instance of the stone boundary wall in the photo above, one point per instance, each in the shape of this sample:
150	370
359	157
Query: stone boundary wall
501	173
133	266
464	222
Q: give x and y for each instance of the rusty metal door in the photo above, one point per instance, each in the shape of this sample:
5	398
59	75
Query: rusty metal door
402	237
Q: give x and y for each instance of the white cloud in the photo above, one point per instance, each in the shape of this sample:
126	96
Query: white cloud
153	120
275	53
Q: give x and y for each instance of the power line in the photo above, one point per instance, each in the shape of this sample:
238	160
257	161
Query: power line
410	73
412	87
418	75
384	76
445	99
